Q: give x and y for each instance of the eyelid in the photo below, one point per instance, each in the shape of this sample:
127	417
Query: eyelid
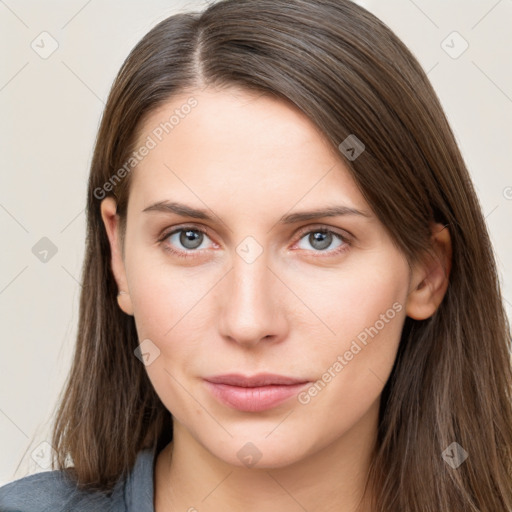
345	235
166	233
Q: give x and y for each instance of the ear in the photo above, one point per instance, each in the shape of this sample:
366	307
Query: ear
111	221
430	277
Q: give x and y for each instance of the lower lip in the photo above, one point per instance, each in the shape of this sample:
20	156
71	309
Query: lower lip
254	399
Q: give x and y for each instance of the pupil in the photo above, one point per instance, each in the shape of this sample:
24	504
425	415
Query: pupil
190	237
321	239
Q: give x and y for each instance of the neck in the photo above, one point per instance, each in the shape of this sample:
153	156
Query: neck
189	478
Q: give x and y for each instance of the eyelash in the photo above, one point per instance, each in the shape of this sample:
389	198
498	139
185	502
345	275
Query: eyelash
193	253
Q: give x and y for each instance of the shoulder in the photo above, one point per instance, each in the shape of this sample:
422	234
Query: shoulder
49	490
54	491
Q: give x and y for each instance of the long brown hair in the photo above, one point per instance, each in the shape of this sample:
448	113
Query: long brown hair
347	71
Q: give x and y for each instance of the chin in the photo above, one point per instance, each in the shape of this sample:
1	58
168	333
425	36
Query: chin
259	453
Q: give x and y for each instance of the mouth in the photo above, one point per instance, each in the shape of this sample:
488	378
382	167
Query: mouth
253	393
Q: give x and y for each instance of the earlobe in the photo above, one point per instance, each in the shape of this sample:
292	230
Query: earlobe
111	221
125	302
430	277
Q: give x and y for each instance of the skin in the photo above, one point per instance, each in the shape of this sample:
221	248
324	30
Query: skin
250	159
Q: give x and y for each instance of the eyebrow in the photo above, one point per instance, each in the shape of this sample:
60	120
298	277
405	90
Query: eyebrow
290	218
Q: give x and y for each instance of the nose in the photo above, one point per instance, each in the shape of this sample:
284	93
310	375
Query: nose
252	305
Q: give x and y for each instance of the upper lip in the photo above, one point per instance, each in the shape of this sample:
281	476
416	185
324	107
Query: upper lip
261	379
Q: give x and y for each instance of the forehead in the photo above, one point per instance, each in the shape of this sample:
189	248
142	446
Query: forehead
234	142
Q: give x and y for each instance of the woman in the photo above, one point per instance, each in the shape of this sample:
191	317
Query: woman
290	299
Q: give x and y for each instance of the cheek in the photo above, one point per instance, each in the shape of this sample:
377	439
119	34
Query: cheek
161	293
364	308
165	314
168	304
352	298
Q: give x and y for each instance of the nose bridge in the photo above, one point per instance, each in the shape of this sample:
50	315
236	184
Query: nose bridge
250	310
250	281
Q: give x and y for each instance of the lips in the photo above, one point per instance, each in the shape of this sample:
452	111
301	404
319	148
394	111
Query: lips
253	393
262	379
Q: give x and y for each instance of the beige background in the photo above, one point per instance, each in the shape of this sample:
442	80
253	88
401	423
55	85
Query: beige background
50	113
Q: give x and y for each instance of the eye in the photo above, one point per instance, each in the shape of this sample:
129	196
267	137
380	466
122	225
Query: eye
183	240
186	241
321	239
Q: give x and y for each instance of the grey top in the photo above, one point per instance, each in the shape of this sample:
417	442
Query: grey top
52	491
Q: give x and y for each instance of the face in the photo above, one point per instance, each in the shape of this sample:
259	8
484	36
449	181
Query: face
251	286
